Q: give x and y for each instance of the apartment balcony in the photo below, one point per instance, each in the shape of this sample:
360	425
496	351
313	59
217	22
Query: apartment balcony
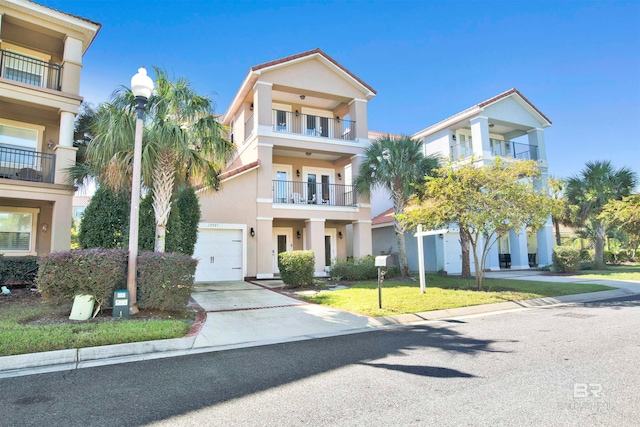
460	151
314	193
31	71
310	125
515	150
27	165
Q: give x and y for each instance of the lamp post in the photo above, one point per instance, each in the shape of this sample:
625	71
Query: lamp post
141	86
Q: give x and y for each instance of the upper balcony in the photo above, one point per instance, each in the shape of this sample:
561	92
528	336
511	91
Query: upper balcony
312	125
499	148
27	165
32	71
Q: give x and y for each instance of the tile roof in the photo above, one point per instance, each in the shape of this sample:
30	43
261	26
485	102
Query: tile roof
384	218
66	13
239	169
309	53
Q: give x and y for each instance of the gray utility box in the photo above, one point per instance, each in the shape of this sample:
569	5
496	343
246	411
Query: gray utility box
385	261
121	303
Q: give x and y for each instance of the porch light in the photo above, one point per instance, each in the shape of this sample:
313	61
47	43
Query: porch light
298	234
298	172
251	107
302	97
339	176
340	235
297	113
252	232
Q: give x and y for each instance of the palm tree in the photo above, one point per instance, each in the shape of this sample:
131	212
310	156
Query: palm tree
556	191
397	164
182	141
597	184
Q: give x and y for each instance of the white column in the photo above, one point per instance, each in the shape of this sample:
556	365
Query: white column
61	224
358	113
315	242
362	243
536	138
545	244
480	137
67	120
420	240
492	262
518	248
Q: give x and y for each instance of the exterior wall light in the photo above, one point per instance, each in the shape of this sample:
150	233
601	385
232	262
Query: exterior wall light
298	234
340	235
339	176
252	232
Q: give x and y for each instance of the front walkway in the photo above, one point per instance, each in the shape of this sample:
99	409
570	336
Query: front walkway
541	276
242	312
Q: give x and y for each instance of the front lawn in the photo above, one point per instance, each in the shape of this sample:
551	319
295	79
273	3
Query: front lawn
28	325
401	297
614	272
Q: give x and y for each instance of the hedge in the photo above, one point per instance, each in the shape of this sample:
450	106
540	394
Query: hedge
165	280
97	272
18	270
566	259
359	269
297	267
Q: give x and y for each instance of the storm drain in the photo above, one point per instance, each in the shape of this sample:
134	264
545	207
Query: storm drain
575	315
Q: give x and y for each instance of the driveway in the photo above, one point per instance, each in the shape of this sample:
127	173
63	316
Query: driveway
241	312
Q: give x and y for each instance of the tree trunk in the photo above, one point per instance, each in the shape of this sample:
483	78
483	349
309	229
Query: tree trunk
557	225
163	178
599	249
402	255
464	246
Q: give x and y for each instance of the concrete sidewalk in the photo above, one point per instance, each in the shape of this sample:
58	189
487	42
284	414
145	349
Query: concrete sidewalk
243	314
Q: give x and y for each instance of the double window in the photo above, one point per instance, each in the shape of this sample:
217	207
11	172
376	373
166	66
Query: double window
17	227
17	146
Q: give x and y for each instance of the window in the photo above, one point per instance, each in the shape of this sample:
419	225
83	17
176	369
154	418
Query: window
16	233
17	145
24	69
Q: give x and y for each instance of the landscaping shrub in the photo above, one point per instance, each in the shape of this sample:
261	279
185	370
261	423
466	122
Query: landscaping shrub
165	280
297	267
105	222
97	272
189	208
18	270
586	255
147	228
566	259
587	265
354	269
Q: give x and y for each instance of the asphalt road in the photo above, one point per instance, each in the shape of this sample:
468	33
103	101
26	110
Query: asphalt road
566	366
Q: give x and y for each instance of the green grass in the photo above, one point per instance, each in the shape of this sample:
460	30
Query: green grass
616	272
19	335
399	297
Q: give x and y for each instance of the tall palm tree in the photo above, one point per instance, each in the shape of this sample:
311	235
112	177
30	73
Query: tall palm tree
591	189
182	142
397	164
556	192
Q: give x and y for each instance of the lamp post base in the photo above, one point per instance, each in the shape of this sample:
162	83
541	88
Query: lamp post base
133	309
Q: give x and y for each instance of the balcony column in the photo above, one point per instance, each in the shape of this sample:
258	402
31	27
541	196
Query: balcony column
358	114
362	243
65	151
518	249
71	65
264	245
480	137
315	242
61	224
536	138
544	236
356	161
262	105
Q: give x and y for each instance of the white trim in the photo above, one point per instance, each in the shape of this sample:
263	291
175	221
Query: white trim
315	220
32	233
362	221
264	144
264	276
267	131
260	82
317	208
431	232
28	126
263	200
479	117
364	205
356	99
264	218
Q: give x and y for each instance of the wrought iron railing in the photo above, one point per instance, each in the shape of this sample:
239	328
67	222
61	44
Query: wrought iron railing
27	165
29	70
314	193
307	124
516	150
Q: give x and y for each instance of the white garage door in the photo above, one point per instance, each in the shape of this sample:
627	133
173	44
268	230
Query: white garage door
220	255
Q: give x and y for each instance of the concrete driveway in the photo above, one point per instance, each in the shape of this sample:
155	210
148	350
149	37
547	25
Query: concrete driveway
241	312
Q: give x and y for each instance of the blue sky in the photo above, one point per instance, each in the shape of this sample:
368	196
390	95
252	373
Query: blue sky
578	61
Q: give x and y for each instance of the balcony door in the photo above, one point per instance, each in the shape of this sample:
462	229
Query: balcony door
282	186
319	183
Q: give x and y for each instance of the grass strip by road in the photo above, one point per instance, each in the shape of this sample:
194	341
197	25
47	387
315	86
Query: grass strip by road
21	333
618	272
402	297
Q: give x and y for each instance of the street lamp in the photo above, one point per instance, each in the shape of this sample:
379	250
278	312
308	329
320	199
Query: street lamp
141	86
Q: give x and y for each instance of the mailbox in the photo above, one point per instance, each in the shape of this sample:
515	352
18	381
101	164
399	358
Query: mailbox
121	303
385	261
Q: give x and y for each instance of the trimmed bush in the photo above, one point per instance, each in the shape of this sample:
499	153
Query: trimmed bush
566	259
18	270
586	255
296	268
105	223
189	208
97	272
587	265
147	228
165	280
354	269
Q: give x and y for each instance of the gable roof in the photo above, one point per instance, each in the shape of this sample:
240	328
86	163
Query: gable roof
478	108
385	217
256	70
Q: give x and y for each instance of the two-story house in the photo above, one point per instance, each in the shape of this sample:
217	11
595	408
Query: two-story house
300	127
507	126
41	52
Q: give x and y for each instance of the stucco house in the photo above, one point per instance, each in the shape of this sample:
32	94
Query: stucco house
300	127
41	59
507	125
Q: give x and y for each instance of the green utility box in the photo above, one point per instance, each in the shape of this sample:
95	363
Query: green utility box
121	303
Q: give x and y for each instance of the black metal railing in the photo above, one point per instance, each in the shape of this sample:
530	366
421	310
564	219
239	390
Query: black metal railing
248	127
307	124
516	150
27	165
25	69
314	193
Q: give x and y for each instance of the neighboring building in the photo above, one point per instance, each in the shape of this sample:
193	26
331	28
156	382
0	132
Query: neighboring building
41	57
507	126
300	126
79	205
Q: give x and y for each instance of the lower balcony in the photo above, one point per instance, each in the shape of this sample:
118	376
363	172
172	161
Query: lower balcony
314	193
27	165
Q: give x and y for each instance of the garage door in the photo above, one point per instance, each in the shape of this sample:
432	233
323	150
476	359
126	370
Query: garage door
220	255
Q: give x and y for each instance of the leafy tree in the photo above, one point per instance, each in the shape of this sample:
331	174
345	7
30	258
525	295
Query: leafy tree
556	191
486	202
590	190
189	207
105	223
624	215
147	227
397	164
182	142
